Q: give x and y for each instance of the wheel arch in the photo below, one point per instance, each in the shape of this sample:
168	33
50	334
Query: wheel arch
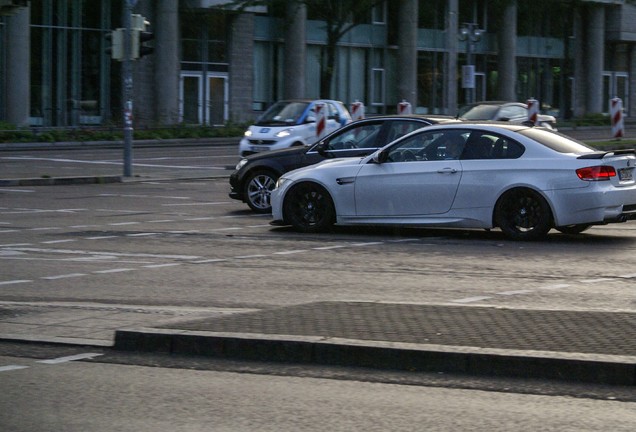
305	182
521	187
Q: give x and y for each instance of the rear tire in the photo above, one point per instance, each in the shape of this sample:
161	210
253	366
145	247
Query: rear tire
309	208
258	190
523	214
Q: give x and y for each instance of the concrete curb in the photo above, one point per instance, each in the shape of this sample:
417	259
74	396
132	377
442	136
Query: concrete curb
53	181
598	369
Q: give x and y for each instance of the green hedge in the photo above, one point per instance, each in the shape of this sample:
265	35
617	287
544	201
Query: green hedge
9	133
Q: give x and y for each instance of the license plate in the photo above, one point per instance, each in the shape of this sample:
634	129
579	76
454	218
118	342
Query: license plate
626	174
259	148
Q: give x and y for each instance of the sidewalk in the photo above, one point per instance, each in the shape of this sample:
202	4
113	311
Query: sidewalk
582	346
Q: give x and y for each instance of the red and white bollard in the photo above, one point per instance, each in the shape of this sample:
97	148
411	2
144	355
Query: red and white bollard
533	110
404	107
321	119
616	113
357	110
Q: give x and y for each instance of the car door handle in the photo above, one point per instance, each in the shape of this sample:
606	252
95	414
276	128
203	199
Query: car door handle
447	171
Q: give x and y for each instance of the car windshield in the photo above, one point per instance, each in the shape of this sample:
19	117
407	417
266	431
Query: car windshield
283	112
478	112
556	141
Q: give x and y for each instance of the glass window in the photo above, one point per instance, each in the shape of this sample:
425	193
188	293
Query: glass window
362	136
556	141
432	145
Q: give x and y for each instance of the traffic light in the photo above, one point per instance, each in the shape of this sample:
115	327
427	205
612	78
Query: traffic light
140	36
116	48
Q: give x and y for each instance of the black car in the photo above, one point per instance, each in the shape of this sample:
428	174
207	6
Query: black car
255	175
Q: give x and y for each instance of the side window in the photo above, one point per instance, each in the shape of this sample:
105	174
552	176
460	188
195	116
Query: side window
399	128
360	136
505	148
433	145
491	146
513	112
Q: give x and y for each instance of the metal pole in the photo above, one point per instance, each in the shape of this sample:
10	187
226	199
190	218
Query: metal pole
127	89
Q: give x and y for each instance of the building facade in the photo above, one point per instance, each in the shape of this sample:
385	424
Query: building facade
213	65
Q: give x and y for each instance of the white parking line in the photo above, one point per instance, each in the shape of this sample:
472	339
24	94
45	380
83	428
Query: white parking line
162	265
58	241
116	270
70	358
290	252
595	280
12	368
249	256
471	299
64	276
16	281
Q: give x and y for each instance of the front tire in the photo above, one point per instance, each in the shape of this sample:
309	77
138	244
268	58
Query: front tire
523	214
258	190
309	208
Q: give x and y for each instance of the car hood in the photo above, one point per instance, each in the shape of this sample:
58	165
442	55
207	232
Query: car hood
340	163
273	154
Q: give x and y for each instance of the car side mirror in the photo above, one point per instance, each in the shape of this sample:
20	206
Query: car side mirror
322	148
380	156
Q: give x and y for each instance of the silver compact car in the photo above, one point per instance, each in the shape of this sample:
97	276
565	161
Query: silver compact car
524	180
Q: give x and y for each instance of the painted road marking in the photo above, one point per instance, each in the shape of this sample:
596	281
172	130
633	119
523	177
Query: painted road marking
12	368
16	281
70	358
471	299
64	276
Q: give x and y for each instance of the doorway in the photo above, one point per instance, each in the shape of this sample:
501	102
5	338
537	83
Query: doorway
203	101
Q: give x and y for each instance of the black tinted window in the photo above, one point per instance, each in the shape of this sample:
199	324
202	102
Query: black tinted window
556	141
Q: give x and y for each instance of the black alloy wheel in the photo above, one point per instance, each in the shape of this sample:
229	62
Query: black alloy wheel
523	214
309	208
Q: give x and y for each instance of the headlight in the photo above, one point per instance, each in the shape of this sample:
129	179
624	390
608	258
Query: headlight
241	164
248	133
284	133
281	181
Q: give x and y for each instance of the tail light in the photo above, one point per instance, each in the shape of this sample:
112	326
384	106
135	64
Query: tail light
596	173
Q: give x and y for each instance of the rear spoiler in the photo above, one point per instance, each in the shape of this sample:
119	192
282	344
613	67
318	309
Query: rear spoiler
602	154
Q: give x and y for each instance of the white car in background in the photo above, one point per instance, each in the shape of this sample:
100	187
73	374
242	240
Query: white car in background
524	180
290	123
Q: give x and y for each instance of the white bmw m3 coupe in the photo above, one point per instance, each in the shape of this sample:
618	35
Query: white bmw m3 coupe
523	180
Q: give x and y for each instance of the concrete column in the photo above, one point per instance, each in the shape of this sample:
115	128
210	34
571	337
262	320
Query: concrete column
18	51
631	106
507	57
407	52
241	67
578	47
594	59
167	68
295	51
450	64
